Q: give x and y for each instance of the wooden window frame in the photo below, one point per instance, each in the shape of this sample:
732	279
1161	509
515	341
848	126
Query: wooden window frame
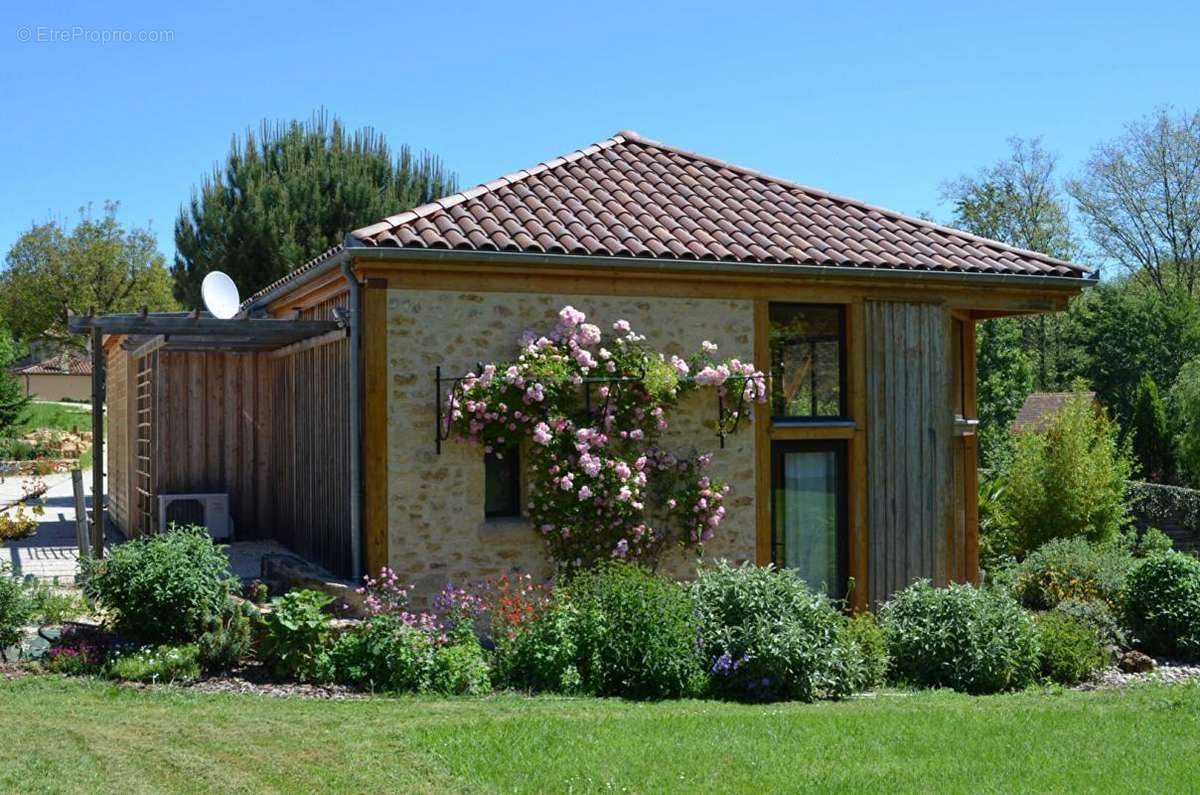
843	415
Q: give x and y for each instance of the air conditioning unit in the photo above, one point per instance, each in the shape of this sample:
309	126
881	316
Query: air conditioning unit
210	511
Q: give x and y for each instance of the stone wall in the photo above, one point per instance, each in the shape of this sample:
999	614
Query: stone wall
437	530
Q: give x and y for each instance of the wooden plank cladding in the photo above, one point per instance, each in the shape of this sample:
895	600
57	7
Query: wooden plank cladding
308	453
909	425
270	429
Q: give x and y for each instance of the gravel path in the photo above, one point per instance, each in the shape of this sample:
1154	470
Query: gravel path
1165	673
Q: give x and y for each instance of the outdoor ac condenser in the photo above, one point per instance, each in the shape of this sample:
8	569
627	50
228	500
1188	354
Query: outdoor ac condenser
206	510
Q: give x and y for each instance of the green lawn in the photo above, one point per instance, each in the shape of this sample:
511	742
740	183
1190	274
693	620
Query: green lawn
70	736
59	417
51	415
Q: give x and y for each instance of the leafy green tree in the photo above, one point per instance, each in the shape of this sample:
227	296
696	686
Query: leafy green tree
1128	330
288	193
1184	403
12	396
1005	378
1151	440
99	264
1068	480
1019	201
1140	197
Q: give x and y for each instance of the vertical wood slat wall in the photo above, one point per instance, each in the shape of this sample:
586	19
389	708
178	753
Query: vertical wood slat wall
269	429
908	446
118	423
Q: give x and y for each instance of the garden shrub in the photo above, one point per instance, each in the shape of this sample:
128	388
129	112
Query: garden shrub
295	634
865	631
382	654
616	630
1068	480
162	588
510	604
1151	541
765	636
54	605
77	652
544	654
1069	649
1162	605
1098	617
1071	568
636	634
158	665
228	638
460	669
15	609
971	640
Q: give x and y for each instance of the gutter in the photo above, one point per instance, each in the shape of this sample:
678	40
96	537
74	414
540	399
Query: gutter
360	251
340	258
356	405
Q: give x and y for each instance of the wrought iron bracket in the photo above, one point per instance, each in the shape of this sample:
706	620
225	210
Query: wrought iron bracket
729	419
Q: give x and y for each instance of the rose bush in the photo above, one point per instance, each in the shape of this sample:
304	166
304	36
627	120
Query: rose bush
589	411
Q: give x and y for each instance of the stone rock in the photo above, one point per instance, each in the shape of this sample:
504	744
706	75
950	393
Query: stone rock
294	572
1134	662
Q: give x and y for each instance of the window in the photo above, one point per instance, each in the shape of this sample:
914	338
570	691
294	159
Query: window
809	527
502	483
807	361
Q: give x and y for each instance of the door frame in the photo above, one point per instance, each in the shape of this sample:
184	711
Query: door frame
841	447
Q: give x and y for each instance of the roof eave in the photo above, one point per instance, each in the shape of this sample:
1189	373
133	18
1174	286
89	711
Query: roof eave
361	251
333	262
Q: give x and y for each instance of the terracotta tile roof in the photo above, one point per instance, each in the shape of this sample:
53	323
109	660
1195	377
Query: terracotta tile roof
1038	407
631	197
316	261
64	363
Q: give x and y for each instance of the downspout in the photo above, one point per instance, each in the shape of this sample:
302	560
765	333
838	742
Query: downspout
356	392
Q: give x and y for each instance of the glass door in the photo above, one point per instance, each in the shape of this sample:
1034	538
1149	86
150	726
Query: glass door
808	512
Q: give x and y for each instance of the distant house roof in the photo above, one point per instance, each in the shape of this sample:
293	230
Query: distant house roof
628	196
62	363
1038	407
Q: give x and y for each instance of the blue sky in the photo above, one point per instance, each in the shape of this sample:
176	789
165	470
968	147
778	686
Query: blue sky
880	101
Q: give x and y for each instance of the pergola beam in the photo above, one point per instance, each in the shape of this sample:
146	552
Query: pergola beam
268	330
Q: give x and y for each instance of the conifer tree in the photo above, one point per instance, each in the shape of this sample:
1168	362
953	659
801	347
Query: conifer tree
12	397
289	192
1151	440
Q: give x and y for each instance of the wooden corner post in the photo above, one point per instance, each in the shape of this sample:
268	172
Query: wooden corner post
97	442
375	425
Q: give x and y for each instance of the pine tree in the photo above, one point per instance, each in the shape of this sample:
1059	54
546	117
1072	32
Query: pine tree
1151	441
12	397
288	193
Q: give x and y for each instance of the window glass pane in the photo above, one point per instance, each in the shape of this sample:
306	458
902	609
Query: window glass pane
502	483
806	360
806	517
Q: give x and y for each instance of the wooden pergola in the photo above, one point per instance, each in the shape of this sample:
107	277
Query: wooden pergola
177	331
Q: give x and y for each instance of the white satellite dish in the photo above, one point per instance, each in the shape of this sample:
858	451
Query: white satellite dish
220	295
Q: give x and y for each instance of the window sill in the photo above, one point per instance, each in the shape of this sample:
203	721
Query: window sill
788	422
504	528
807	429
